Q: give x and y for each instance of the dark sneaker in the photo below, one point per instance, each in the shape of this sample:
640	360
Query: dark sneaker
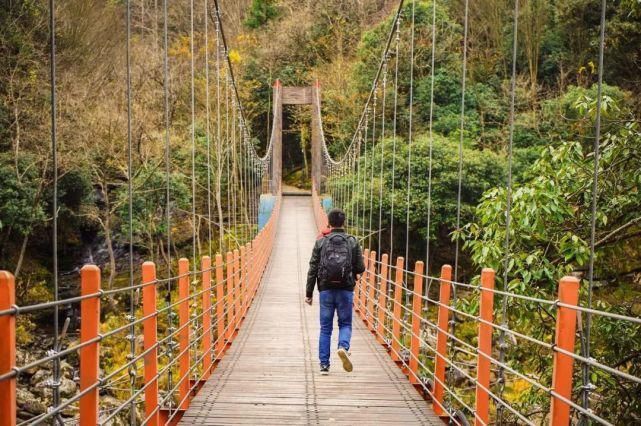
344	356
324	370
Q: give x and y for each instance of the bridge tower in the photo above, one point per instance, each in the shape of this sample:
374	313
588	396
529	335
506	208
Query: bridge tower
293	95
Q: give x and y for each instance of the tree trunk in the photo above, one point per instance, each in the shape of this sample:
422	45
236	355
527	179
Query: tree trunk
110	250
23	249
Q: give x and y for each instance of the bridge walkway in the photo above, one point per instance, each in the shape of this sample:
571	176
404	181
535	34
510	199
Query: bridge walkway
270	374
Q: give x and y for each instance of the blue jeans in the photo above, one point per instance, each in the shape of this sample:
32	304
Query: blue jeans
340	301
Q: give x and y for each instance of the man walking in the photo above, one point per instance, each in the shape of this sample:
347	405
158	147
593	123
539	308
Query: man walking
337	261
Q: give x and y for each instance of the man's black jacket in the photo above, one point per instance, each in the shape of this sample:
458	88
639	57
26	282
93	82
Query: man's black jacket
358	267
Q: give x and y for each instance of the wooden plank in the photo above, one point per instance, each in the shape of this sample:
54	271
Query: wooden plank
270	375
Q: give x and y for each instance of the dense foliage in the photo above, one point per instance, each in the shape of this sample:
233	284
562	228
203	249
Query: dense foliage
339	43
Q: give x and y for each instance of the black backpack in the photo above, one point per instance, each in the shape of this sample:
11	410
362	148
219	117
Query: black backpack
336	259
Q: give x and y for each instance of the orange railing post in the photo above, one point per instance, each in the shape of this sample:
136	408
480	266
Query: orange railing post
183	336
360	303
563	363
244	282
371	288
486	310
252	268
396	310
220	306
441	339
89	329
238	274
150	340
205	266
231	283
417	304
7	349
382	300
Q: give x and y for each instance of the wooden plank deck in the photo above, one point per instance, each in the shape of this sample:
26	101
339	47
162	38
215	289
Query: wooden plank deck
270	374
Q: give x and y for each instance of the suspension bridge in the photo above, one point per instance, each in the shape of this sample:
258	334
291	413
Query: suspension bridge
223	337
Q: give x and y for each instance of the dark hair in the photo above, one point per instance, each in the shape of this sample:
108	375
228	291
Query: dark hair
336	218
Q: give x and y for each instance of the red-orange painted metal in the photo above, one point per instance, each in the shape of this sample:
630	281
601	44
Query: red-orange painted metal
220	306
486	311
417	304
7	350
382	299
205	267
231	282
150	340
441	339
396	311
565	336
183	335
371	289
89	329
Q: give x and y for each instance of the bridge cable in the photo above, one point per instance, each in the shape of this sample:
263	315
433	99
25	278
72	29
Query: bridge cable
54	238
193	138
372	159
382	163
361	198
587	328
460	184
228	149
430	141
409	138
508	217
130	230
208	130
170	314
219	171
233	161
394	129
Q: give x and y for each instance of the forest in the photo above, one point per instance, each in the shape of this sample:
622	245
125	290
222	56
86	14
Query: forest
338	44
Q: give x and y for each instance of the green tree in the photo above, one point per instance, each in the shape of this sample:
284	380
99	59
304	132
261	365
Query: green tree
260	12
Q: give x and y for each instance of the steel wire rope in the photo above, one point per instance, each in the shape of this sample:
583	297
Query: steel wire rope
371	163
409	135
228	158
193	153
100	382
586	335
55	383
430	141
170	345
370	96
356	213
230	69
362	187
208	129
130	229
394	135
407	329
234	169
460	177
382	163
508	211
219	171
193	133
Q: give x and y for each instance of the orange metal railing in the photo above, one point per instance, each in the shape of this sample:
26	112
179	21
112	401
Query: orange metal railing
402	328
233	289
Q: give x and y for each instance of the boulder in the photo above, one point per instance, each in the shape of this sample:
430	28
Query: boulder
29	403
40	376
68	388
66	370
